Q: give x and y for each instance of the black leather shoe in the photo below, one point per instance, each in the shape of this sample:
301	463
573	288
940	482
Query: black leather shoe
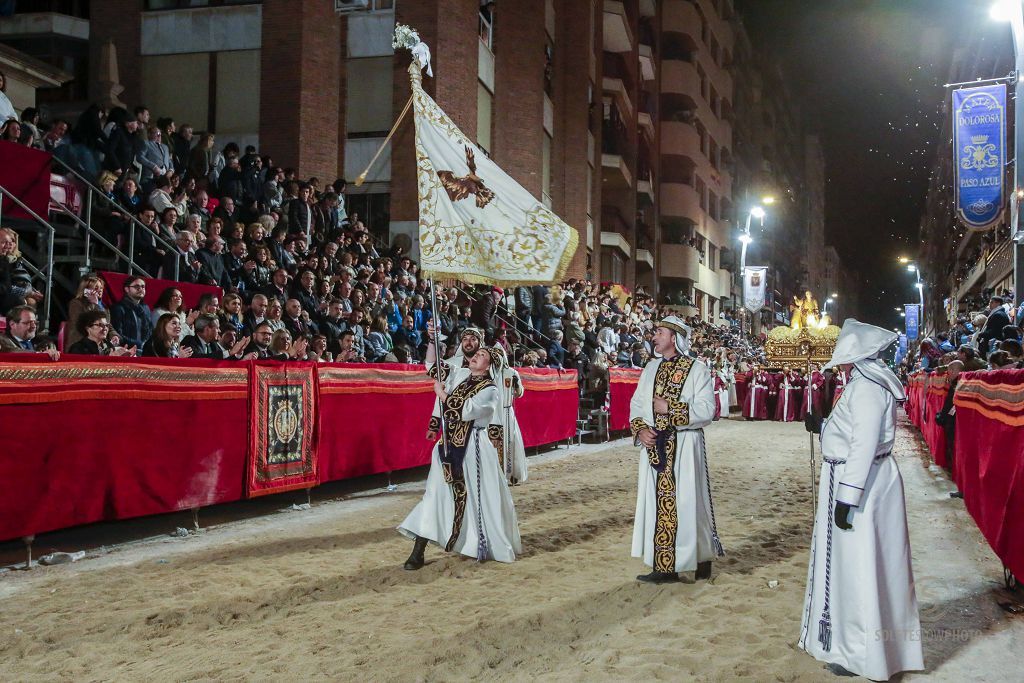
703	571
415	560
659	577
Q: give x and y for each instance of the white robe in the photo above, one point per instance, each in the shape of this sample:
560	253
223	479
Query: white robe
730	378
488	501
515	456
723	394
875	630
695	533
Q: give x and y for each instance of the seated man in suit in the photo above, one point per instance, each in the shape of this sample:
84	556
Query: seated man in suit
204	343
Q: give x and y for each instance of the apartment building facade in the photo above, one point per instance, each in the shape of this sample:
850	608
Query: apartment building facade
624	116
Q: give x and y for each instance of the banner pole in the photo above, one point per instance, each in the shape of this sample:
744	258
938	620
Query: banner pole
437	360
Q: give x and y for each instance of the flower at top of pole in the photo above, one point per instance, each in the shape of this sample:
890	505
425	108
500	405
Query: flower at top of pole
406	38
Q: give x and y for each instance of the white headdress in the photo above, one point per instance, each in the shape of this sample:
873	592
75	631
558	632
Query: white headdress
682	331
459	353
861	345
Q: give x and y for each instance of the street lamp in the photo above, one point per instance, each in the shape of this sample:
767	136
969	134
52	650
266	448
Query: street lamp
912	268
745	239
1012	11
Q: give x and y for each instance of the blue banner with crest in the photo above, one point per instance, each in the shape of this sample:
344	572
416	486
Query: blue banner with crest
979	146
912	319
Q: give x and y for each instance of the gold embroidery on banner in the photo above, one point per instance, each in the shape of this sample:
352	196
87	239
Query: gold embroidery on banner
498	257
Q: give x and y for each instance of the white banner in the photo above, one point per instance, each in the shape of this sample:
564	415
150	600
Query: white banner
476	223
755	286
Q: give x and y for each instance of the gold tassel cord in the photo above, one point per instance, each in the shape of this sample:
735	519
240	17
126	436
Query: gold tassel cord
405	110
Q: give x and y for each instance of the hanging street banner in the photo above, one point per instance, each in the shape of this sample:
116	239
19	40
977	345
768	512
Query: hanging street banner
755	285
979	146
913	320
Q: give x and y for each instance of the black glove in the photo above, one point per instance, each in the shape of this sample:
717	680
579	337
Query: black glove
812	423
842	516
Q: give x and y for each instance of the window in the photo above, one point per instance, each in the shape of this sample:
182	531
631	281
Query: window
712	256
154	5
486	25
703	81
701	193
713	152
545	183
713	205
703	133
484	105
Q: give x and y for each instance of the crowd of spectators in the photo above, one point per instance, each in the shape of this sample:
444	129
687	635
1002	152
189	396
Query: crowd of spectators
301	277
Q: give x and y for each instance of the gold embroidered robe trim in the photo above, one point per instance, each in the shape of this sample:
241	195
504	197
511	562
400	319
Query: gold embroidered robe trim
456	429
459	494
496	433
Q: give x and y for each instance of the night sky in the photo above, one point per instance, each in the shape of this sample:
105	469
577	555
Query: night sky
869	77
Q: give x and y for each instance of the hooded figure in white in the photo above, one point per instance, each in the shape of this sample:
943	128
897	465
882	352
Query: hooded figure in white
860	609
674	529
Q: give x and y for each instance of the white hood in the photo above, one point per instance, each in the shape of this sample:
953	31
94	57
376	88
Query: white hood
861	345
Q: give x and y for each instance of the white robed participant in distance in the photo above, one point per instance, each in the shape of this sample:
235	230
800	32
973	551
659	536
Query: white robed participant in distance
860	611
674	529
467	507
514	455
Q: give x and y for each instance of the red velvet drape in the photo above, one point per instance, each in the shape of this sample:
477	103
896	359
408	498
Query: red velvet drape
94	439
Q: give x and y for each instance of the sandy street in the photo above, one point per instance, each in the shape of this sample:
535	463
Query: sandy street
321	594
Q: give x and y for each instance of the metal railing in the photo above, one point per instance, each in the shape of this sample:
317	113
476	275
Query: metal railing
134	223
45	272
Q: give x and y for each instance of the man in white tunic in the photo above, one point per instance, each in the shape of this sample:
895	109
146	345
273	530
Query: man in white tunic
513	453
860	610
674	529
467	507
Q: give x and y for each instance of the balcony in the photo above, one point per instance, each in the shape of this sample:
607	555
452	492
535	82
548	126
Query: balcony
616	241
644	256
999	263
681	201
678	261
681	17
680	77
646	63
646	123
620	90
617	36
679	138
35	24
648	8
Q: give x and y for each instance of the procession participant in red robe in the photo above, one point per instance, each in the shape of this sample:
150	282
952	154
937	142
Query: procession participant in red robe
814	393
787	407
743	375
756	405
774	379
838	384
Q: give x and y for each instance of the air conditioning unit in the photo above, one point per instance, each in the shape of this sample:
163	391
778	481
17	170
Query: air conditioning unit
348	6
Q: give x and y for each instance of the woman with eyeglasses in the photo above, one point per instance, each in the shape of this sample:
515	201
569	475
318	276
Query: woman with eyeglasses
93	327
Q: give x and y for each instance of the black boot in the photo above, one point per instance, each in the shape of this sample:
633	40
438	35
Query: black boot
415	560
703	571
659	577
